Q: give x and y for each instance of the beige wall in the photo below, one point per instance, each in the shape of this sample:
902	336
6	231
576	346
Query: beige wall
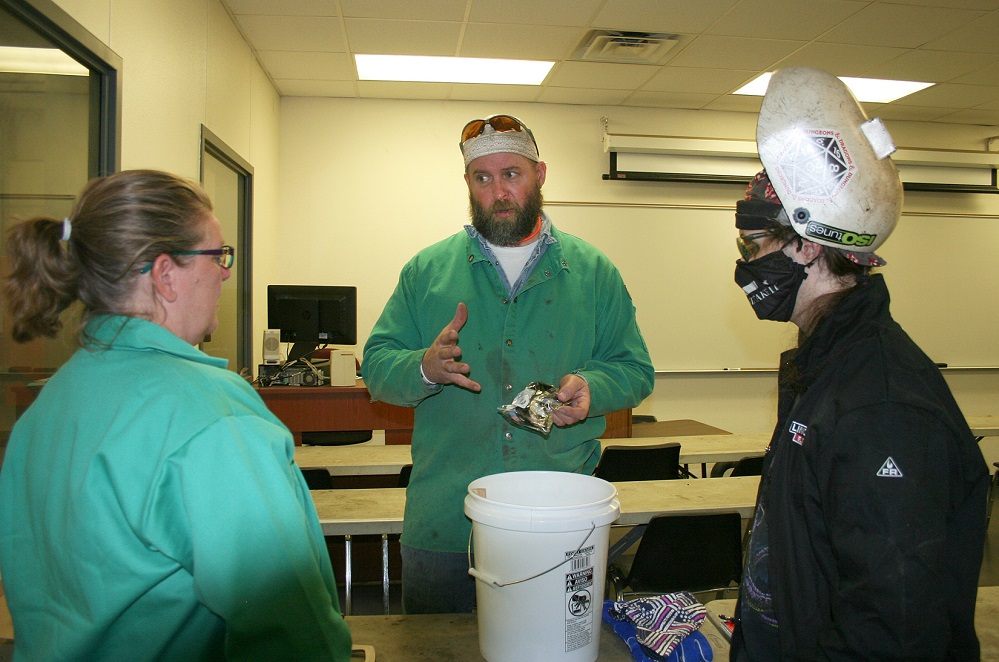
366	183
346	190
185	64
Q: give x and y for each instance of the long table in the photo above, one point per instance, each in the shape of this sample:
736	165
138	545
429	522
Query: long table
350	408
379	511
376	459
983	426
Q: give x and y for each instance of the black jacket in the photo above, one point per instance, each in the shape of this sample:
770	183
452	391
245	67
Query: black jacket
872	499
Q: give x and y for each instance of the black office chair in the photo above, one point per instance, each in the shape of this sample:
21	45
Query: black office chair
404	473
318	479
696	553
748	466
335	438
623	463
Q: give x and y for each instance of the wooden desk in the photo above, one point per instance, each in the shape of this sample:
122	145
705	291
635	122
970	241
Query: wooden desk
340	408
986	617
380	511
371	459
678	428
441	637
337	408
983	426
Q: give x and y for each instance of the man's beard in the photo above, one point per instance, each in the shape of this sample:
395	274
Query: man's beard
507	232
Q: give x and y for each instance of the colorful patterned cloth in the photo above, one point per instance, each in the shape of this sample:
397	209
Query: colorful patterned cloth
655	627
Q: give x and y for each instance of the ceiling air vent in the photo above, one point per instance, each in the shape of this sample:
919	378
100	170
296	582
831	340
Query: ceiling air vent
627	47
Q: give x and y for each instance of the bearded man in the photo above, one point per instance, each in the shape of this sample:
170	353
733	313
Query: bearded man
530	304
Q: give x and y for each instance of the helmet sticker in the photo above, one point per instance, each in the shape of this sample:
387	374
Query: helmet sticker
829	234
816	166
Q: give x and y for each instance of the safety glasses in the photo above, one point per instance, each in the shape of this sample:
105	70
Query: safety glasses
225	257
747	244
499	123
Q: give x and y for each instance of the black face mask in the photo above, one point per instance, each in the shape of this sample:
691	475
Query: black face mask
771	284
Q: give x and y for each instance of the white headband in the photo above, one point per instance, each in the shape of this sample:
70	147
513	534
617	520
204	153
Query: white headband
491	141
67	229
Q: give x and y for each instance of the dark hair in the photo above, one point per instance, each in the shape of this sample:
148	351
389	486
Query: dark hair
119	224
849	274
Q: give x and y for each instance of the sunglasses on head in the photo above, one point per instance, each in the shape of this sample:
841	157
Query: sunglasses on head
499	123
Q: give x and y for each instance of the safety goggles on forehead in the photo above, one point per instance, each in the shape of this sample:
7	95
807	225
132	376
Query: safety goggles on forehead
499	123
747	244
225	257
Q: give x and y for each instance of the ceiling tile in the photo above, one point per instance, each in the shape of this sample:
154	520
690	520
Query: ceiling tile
931	66
377	89
293	33
676	16
884	24
580	96
532	12
802	20
316	88
670	100
510	93
976	37
689	79
424	10
973	116
402	37
985	76
519	42
737	103
909	113
601	75
286	8
950	95
985	5
716	52
308	66
838	59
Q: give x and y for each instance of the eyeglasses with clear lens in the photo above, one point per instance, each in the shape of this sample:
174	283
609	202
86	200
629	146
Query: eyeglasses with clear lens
747	244
225	257
500	124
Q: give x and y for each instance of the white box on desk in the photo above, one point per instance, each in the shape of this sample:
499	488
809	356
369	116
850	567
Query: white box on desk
343	369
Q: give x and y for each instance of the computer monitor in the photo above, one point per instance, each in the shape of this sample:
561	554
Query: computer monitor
312	315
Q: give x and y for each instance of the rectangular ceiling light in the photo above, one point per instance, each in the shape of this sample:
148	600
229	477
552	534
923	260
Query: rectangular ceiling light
16	60
428	69
871	90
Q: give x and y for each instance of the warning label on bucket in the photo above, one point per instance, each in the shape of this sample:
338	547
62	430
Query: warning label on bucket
579	601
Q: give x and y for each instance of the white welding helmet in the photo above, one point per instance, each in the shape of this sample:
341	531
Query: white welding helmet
828	164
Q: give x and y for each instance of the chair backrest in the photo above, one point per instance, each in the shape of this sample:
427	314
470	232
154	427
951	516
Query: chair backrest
318	479
404	473
749	466
688	553
623	463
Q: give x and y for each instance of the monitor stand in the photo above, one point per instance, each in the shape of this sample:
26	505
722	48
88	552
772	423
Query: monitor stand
300	349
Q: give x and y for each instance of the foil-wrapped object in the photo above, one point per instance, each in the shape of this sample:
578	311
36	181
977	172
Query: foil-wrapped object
533	407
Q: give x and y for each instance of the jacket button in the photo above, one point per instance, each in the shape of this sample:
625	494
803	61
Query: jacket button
471	257
508	435
509	343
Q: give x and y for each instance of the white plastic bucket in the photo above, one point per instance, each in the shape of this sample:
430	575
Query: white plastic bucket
540	543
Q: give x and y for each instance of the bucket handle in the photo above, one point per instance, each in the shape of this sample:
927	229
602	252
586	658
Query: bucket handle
474	572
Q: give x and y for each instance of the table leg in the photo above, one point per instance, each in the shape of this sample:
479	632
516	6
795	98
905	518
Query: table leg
347	579
385	573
